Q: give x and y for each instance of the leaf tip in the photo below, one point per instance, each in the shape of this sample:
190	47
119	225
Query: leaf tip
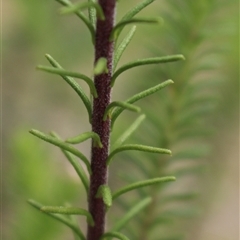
48	56
182	57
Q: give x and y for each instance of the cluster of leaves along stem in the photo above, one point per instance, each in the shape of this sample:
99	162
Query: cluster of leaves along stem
105	67
184	126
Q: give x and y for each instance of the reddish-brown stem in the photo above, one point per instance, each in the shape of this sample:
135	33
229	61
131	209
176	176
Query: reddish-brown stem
103	48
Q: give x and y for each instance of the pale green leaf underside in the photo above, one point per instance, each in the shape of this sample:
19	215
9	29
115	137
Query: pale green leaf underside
68	211
76	165
139	96
84	136
62	145
140	184
74	85
145	61
60	218
63	72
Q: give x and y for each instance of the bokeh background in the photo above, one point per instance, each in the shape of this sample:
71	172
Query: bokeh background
33	99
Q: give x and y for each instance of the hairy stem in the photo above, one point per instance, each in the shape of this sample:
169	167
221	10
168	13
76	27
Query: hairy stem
103	48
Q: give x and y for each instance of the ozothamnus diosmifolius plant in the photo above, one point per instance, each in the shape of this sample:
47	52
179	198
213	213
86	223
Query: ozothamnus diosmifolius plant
102	113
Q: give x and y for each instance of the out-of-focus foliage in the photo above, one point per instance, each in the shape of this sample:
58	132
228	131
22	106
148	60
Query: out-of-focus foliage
35	175
183	117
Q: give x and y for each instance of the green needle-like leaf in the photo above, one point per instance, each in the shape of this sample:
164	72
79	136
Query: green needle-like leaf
64	72
60	218
179	197
130	14
131	214
84	136
122	46
62	145
139	96
101	66
68	211
140	184
145	61
74	85
76	165
104	192
81	6
137	147
92	14
128	132
122	105
117	29
89	25
189	212
114	235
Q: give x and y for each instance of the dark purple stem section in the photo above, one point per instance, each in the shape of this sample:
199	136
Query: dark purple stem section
103	48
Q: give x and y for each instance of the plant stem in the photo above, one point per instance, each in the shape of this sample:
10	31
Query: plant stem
103	48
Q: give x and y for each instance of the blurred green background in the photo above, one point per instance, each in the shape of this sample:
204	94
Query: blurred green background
32	99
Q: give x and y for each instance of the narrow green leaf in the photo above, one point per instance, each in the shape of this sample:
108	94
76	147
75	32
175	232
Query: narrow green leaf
89	25
62	219
92	14
131	214
145	61
137	147
182	213
74	85
64	72
196	170
130	178
62	145
196	152
131	13
138	164
84	136
68	211
101	66
76	165
104	192
122	46
140	184
122	105
139	96
114	235
128	132
117	29
81	6
179	197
